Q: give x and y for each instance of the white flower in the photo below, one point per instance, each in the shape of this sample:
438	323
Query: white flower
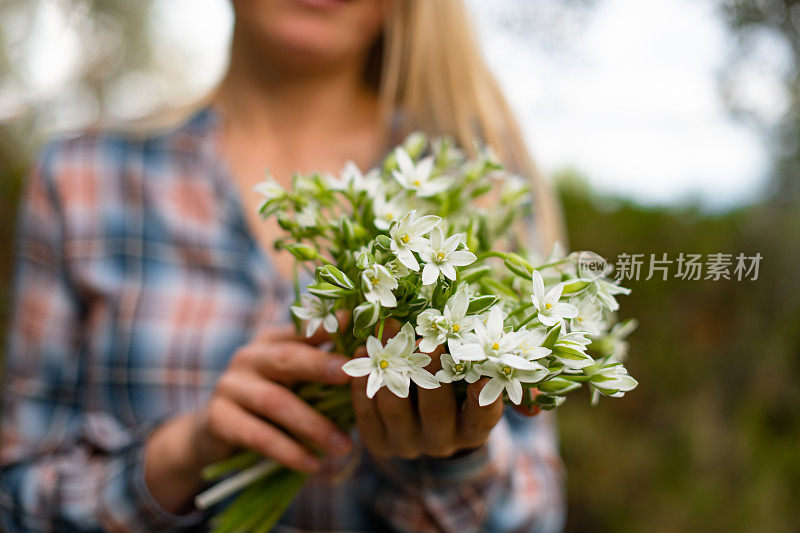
505	377
441	256
551	311
454	371
570	350
604	291
386	212
351	179
514	189
435	328
394	365
531	346
316	311
378	284
612	380
589	317
492	343
430	326
307	218
269	189
397	269
617	335
408	236
417	177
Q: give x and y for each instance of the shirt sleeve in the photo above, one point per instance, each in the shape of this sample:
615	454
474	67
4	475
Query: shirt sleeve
512	483
61	467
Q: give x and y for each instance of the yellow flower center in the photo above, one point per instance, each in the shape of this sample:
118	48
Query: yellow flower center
580	319
440	256
375	280
405	238
506	370
390	216
417	183
495	346
459	367
548	306
383	364
456	327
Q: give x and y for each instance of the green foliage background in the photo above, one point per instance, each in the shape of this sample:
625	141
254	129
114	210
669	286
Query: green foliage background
709	440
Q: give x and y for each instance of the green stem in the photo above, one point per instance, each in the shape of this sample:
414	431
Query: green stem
554	263
380	329
520	310
296	279
531	317
486	255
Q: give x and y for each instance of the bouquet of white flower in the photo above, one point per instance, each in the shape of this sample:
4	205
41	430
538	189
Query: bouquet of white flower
414	242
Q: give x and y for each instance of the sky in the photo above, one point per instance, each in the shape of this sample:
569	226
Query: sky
627	92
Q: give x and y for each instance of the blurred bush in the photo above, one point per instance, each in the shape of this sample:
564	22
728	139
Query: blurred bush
709	440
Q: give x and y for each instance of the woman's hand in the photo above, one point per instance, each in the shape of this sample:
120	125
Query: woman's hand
252	407
435	426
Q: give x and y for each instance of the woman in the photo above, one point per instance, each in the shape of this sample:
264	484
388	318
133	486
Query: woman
147	338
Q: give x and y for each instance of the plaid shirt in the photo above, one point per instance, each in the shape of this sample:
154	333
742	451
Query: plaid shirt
136	280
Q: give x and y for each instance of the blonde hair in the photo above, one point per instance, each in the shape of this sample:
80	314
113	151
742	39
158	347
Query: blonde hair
427	66
432	71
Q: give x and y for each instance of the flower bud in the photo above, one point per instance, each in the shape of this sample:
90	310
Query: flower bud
333	275
327	290
365	315
303	252
415	144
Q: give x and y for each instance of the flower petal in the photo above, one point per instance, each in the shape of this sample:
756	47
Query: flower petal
514	389
448	270
566	310
331	323
430	274
461	258
312	326
423	224
358	367
374	346
398	383
374	383
469	352
494	323
423	378
491	391
538	287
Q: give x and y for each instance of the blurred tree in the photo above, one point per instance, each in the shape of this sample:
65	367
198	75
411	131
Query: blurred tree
768	37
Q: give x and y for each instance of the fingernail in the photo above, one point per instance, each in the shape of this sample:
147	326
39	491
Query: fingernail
339	443
335	371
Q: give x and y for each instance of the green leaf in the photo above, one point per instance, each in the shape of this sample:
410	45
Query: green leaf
482	303
552	336
348	232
